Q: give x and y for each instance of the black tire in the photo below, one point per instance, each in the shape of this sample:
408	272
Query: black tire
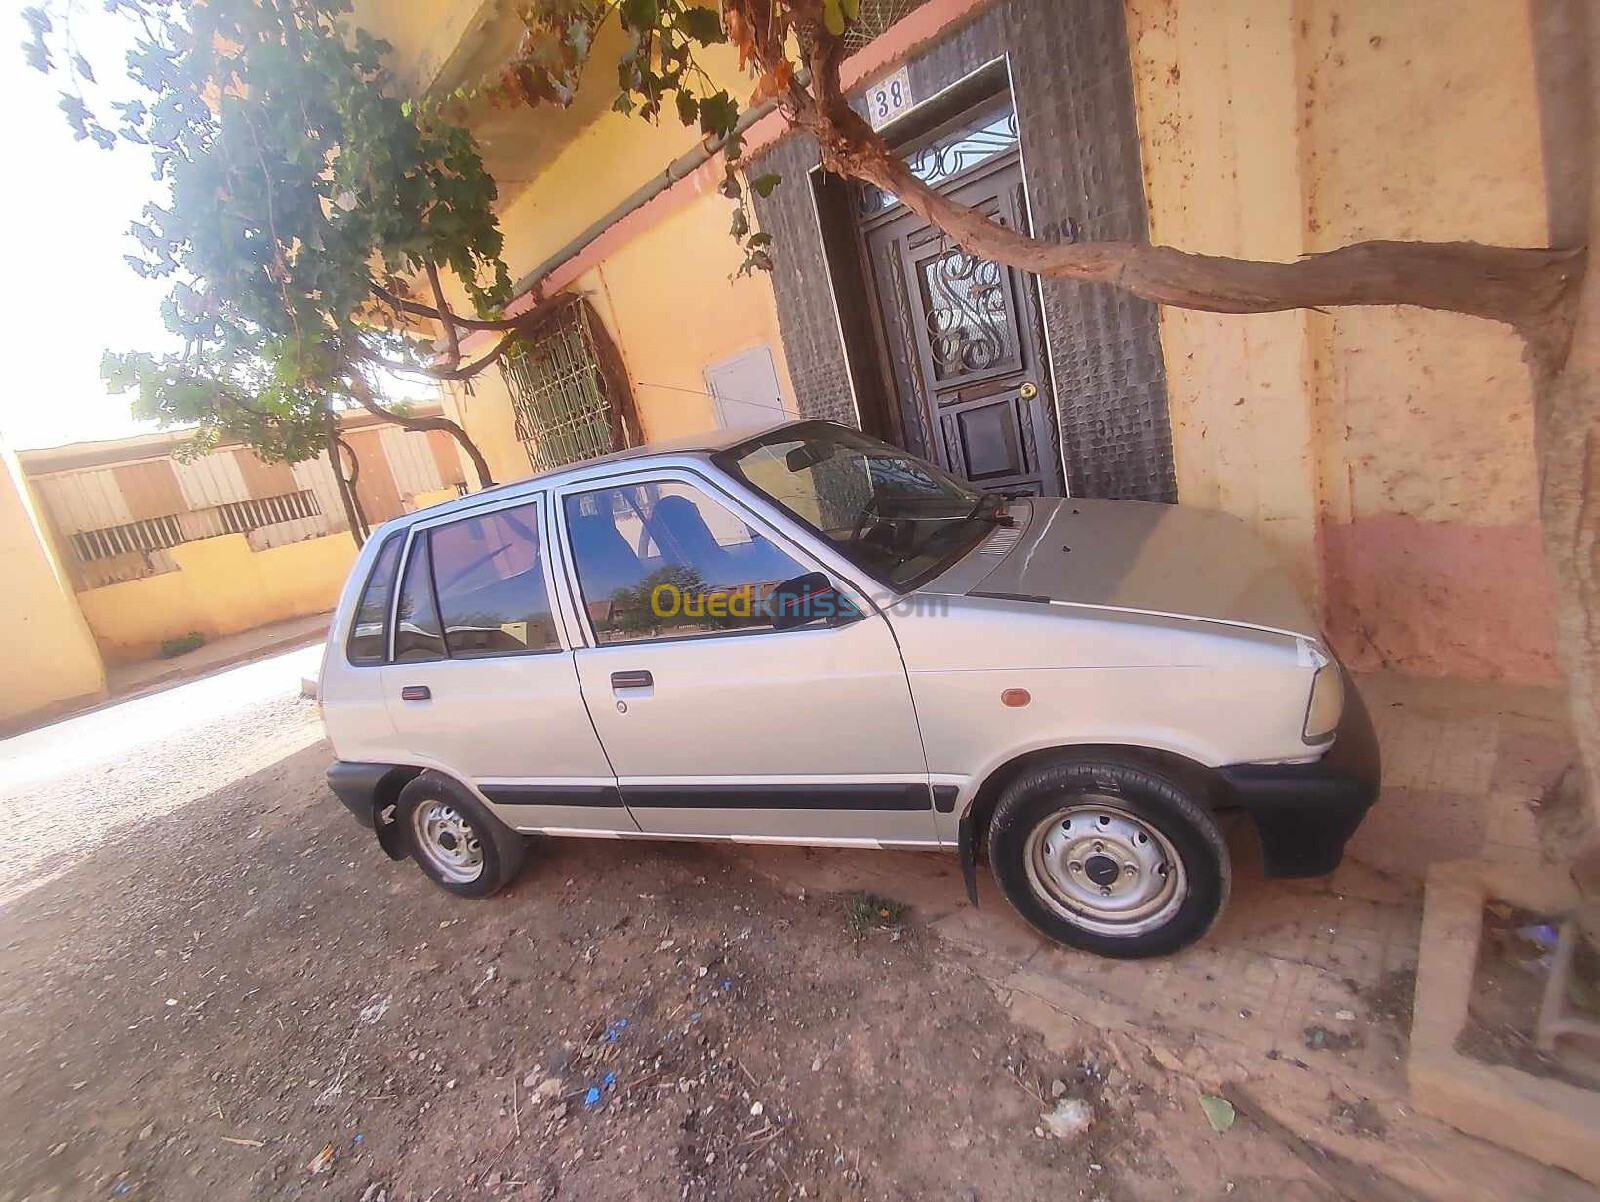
1033	828
497	849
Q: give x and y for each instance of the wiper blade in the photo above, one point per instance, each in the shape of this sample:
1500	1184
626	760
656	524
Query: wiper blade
997	516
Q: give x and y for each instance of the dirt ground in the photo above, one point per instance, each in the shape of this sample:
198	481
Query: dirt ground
221	1000
226	992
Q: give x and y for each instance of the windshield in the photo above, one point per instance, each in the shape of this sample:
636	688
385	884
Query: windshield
896	516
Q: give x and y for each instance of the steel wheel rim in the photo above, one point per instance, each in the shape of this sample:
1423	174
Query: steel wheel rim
1105	870
448	841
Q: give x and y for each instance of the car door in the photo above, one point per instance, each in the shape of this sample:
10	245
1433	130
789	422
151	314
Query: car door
718	722
481	680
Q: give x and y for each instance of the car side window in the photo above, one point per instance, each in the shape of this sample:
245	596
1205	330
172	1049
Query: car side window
369	632
416	634
665	560
491	589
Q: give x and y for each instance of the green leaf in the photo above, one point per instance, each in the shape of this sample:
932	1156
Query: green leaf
719	113
762	185
704	25
851	8
833	17
640	14
1219	1112
688	107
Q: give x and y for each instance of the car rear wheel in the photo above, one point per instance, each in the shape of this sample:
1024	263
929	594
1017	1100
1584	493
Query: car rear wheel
454	838
1110	857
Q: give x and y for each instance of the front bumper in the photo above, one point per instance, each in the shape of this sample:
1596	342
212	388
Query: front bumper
1305	813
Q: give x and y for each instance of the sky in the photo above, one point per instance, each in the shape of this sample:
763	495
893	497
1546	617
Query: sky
69	295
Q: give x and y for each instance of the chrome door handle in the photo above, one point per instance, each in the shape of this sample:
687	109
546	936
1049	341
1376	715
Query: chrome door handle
416	692
631	680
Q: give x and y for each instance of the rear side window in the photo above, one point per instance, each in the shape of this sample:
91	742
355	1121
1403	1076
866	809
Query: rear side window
416	632
491	588
369	633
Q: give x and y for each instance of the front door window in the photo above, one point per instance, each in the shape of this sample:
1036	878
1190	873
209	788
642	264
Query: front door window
664	560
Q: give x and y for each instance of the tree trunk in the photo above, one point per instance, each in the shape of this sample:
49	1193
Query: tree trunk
1567	438
360	390
352	515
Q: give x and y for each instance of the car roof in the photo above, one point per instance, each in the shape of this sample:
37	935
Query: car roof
689	446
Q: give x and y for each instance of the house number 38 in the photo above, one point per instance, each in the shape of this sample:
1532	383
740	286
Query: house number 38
889	98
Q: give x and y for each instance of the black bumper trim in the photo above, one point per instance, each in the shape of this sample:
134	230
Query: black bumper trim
1305	813
357	786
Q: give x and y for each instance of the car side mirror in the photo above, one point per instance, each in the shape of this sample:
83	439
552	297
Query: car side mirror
810	598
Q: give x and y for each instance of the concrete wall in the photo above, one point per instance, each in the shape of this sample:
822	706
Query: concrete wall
1387	452
50	660
221	587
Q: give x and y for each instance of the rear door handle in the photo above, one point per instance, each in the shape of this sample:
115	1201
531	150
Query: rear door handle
416	692
632	680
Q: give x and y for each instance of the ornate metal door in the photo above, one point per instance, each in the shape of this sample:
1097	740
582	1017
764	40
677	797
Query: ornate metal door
961	335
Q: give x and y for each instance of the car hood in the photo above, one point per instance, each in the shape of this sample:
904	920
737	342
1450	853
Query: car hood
1145	557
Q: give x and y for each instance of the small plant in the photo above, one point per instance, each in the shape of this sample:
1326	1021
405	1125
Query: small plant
865	912
182	645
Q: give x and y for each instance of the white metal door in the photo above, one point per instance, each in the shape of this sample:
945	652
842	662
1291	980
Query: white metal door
807	733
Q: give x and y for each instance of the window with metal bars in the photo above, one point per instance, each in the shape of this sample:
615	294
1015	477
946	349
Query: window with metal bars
149	534
241	517
874	17
558	392
160	533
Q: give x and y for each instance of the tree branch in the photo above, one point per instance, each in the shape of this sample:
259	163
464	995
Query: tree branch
362	392
462	372
1526	288
447	318
521	321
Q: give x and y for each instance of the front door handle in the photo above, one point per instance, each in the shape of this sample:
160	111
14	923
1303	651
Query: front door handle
631	680
416	692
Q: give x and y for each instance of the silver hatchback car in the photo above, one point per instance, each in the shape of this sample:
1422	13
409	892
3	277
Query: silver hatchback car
804	635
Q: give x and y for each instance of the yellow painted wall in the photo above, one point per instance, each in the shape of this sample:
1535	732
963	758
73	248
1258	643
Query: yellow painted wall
672	307
50	659
1388	452
1217	90
221	587
422	33
671	304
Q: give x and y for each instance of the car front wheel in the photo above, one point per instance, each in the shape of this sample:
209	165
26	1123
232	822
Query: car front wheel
455	839
1110	857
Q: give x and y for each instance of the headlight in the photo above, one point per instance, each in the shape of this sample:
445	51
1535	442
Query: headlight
1327	700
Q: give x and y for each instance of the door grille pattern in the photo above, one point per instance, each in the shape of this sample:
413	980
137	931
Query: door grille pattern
558	392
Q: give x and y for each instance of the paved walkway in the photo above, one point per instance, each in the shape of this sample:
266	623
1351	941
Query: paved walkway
133	680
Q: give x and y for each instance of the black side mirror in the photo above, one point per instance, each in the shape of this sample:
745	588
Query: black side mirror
810	598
